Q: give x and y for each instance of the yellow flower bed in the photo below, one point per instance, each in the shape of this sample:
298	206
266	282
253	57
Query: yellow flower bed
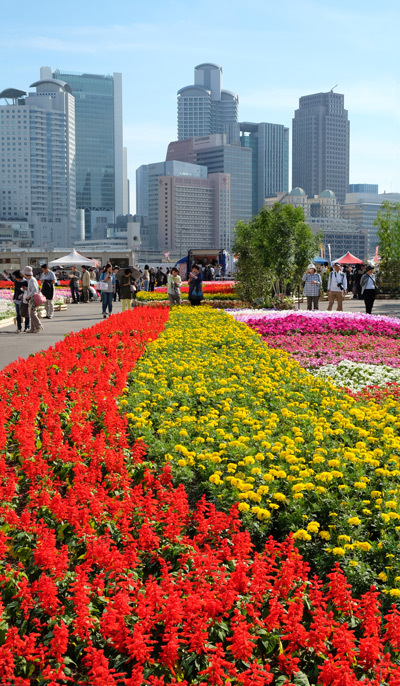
246	424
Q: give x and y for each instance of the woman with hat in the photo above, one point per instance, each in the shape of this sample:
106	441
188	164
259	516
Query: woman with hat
312	287
368	288
30	292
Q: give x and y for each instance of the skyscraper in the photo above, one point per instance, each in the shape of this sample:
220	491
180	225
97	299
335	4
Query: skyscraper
204	107
100	184
193	213
147	194
269	144
214	153
37	161
321	134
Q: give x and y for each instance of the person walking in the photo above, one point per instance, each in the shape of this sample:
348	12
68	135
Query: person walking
108	278
48	280
74	277
368	288
312	287
146	278
117	292
337	287
85	284
126	289
174	287
21	307
152	281
32	289
195	286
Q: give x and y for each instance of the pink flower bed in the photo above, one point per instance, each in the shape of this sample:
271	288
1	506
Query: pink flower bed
316	351
318	339
291	323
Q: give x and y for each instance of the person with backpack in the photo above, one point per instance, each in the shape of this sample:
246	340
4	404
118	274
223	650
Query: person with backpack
337	287
21	307
30	291
48	279
126	289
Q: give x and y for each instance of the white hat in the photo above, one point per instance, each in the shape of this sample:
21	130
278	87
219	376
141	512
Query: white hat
28	270
311	266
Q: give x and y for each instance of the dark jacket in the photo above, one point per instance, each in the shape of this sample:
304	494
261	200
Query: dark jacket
125	285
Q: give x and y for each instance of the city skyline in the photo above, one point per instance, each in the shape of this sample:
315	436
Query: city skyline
147	46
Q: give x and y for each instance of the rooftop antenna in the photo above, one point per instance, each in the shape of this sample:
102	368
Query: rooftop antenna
332	89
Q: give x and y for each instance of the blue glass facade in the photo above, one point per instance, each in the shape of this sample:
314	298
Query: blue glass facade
95	145
236	161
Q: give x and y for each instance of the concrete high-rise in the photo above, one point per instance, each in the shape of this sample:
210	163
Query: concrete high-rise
320	149
147	183
218	156
205	107
37	161
101	189
193	213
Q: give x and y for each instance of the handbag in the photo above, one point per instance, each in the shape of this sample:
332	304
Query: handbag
24	310
38	299
102	286
197	294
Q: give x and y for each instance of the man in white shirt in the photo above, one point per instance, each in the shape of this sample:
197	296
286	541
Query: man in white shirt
48	279
337	287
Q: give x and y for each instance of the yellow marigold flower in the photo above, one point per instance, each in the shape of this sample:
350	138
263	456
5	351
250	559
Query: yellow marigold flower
302	535
354	521
182	463
353	563
395	592
244	507
325	535
339	551
382	576
280	497
313	527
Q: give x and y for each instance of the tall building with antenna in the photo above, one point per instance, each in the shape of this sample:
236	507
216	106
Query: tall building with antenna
321	138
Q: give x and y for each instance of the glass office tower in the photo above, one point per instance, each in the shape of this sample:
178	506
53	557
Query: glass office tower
99	145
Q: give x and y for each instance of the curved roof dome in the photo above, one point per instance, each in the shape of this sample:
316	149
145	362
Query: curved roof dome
54	82
210	65
297	191
196	90
327	194
12	93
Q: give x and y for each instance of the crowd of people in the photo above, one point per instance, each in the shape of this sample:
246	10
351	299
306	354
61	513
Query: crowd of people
108	284
340	280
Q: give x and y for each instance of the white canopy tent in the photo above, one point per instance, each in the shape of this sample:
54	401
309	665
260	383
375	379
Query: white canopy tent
74	258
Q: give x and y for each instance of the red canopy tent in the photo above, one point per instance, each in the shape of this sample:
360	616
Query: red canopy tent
348	258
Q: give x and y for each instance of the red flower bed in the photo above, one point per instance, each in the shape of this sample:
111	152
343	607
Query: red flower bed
226	287
106	576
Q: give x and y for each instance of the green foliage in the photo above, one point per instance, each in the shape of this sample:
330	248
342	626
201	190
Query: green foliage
388	223
273	251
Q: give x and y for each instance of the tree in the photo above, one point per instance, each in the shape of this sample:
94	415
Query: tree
273	250
388	223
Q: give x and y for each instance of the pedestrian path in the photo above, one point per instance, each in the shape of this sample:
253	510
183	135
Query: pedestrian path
74	318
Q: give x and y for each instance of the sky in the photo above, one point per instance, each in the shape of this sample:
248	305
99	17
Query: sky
270	53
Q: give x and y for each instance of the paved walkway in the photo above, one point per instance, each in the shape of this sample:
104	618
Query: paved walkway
84	315
74	318
390	308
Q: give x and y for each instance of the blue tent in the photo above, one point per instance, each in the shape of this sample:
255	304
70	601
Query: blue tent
319	260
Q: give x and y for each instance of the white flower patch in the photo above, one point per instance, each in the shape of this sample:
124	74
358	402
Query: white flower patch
355	375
